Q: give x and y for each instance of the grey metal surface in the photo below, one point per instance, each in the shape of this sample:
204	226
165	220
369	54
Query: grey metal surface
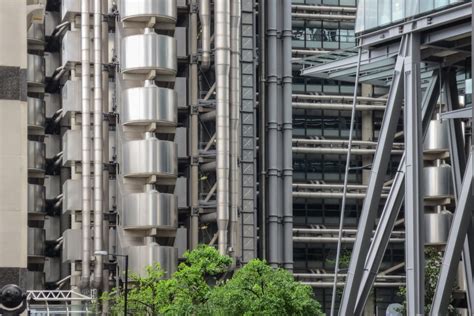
248	133
35	242
34	280
72	196
36	202
205	19
150	209
35	70
157	157
437	227
35	33
437	137
36	157
165	11
438	182
149	51
149	104
70	251
141	257
222	29
36	114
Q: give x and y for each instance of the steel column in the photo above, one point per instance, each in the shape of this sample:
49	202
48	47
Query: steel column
414	211
375	186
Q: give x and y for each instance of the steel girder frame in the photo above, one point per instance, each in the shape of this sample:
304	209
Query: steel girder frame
392	206
458	166
457	236
374	190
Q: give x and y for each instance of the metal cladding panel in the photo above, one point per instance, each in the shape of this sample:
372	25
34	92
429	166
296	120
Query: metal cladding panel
52	104
36	156
36	114
150	209
437	137
35	71
150	51
51	62
141	257
36	202
438	182
52	228
71	48
164	11
52	186
437	227
150	156
35	241
149	104
181	191
72	245
72	8
181	140
52	269
34	280
36	33
71	95
72	141
51	20
72	196
180	86
52	144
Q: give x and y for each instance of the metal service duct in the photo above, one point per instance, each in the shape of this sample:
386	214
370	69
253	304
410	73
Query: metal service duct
287	174
222	66
98	148
235	96
205	17
86	145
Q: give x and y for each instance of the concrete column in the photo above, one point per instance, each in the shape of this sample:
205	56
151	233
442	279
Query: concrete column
13	143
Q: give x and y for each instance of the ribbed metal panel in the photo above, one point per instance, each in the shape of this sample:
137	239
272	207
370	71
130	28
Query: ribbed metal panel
141	257
35	241
36	160
36	202
35	71
36	115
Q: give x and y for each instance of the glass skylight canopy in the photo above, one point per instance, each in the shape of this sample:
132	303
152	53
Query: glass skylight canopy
372	14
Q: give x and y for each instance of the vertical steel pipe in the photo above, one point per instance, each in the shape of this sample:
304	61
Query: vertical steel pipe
222	66
98	148
287	138
193	134
205	18
272	132
235	99
86	144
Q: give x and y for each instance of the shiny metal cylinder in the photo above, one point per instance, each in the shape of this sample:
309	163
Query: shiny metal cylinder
436	139
35	33
205	18
140	257
36	201
438	182
149	104
150	209
36	114
437	227
149	51
35	70
35	242
150	156
36	156
165	11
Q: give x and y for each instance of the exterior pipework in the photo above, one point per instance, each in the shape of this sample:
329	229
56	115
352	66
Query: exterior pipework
272	132
287	138
86	145
235	96
205	18
222	65
98	149
193	134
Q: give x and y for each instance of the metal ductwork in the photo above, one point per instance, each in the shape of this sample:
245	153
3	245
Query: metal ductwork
436	139
205	18
438	182
164	11
222	67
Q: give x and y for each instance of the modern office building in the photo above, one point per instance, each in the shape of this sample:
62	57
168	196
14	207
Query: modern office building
141	128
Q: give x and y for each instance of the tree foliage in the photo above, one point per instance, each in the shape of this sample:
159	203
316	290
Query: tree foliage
198	287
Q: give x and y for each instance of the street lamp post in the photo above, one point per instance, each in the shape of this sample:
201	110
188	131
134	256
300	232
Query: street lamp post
125	303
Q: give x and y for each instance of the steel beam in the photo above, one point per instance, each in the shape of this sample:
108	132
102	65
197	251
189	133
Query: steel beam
393	205
376	181
457	236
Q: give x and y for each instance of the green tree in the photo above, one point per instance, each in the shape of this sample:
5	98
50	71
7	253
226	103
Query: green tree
258	289
197	288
